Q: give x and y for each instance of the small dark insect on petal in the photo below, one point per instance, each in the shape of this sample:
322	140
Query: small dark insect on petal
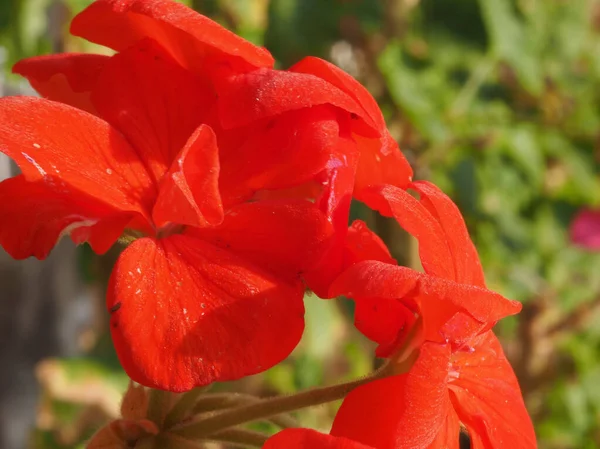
116	307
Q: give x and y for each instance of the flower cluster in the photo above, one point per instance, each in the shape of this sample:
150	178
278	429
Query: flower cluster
231	183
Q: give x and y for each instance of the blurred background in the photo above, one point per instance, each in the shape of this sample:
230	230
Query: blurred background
497	101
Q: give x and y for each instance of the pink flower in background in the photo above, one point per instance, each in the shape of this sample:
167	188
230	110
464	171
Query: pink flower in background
585	229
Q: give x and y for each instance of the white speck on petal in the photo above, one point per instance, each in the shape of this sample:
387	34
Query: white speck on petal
34	163
109	171
37	145
139	270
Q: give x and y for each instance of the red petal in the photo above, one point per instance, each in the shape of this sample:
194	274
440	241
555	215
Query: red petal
265	93
381	161
466	261
154	102
399	411
309	439
33	218
192	39
335	202
434	251
70	149
448	436
186	313
385	321
284	152
437	299
364	244
337	77
488	399
68	78
189	193
284	237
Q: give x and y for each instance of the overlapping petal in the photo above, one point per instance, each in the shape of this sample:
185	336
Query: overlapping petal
186	313
364	244
68	78
284	236
82	172
487	397
310	439
34	217
153	101
189	192
194	41
436	299
381	161
286	151
402	411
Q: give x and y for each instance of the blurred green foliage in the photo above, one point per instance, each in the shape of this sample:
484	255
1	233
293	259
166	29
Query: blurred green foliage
497	101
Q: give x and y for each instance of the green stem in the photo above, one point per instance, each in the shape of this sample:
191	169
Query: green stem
219	401
267	408
158	406
240	437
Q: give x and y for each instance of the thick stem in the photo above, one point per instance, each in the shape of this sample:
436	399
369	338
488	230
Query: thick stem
270	407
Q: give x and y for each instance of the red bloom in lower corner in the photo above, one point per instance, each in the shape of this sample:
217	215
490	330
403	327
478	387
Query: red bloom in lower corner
461	374
423	408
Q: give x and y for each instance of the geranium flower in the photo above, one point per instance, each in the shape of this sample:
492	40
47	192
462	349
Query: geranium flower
260	111
144	141
424	408
461	374
452	284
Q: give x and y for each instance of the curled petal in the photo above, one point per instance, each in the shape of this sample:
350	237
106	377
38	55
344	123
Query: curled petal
33	218
381	161
189	193
310	439
434	251
487	397
284	152
406	410
265	93
364	244
186	313
346	83
48	139
67	78
189	37
158	113
466	261
437	300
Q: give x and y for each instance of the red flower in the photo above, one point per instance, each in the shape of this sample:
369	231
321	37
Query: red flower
450	297
260	111
423	409
166	142
473	385
461	374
